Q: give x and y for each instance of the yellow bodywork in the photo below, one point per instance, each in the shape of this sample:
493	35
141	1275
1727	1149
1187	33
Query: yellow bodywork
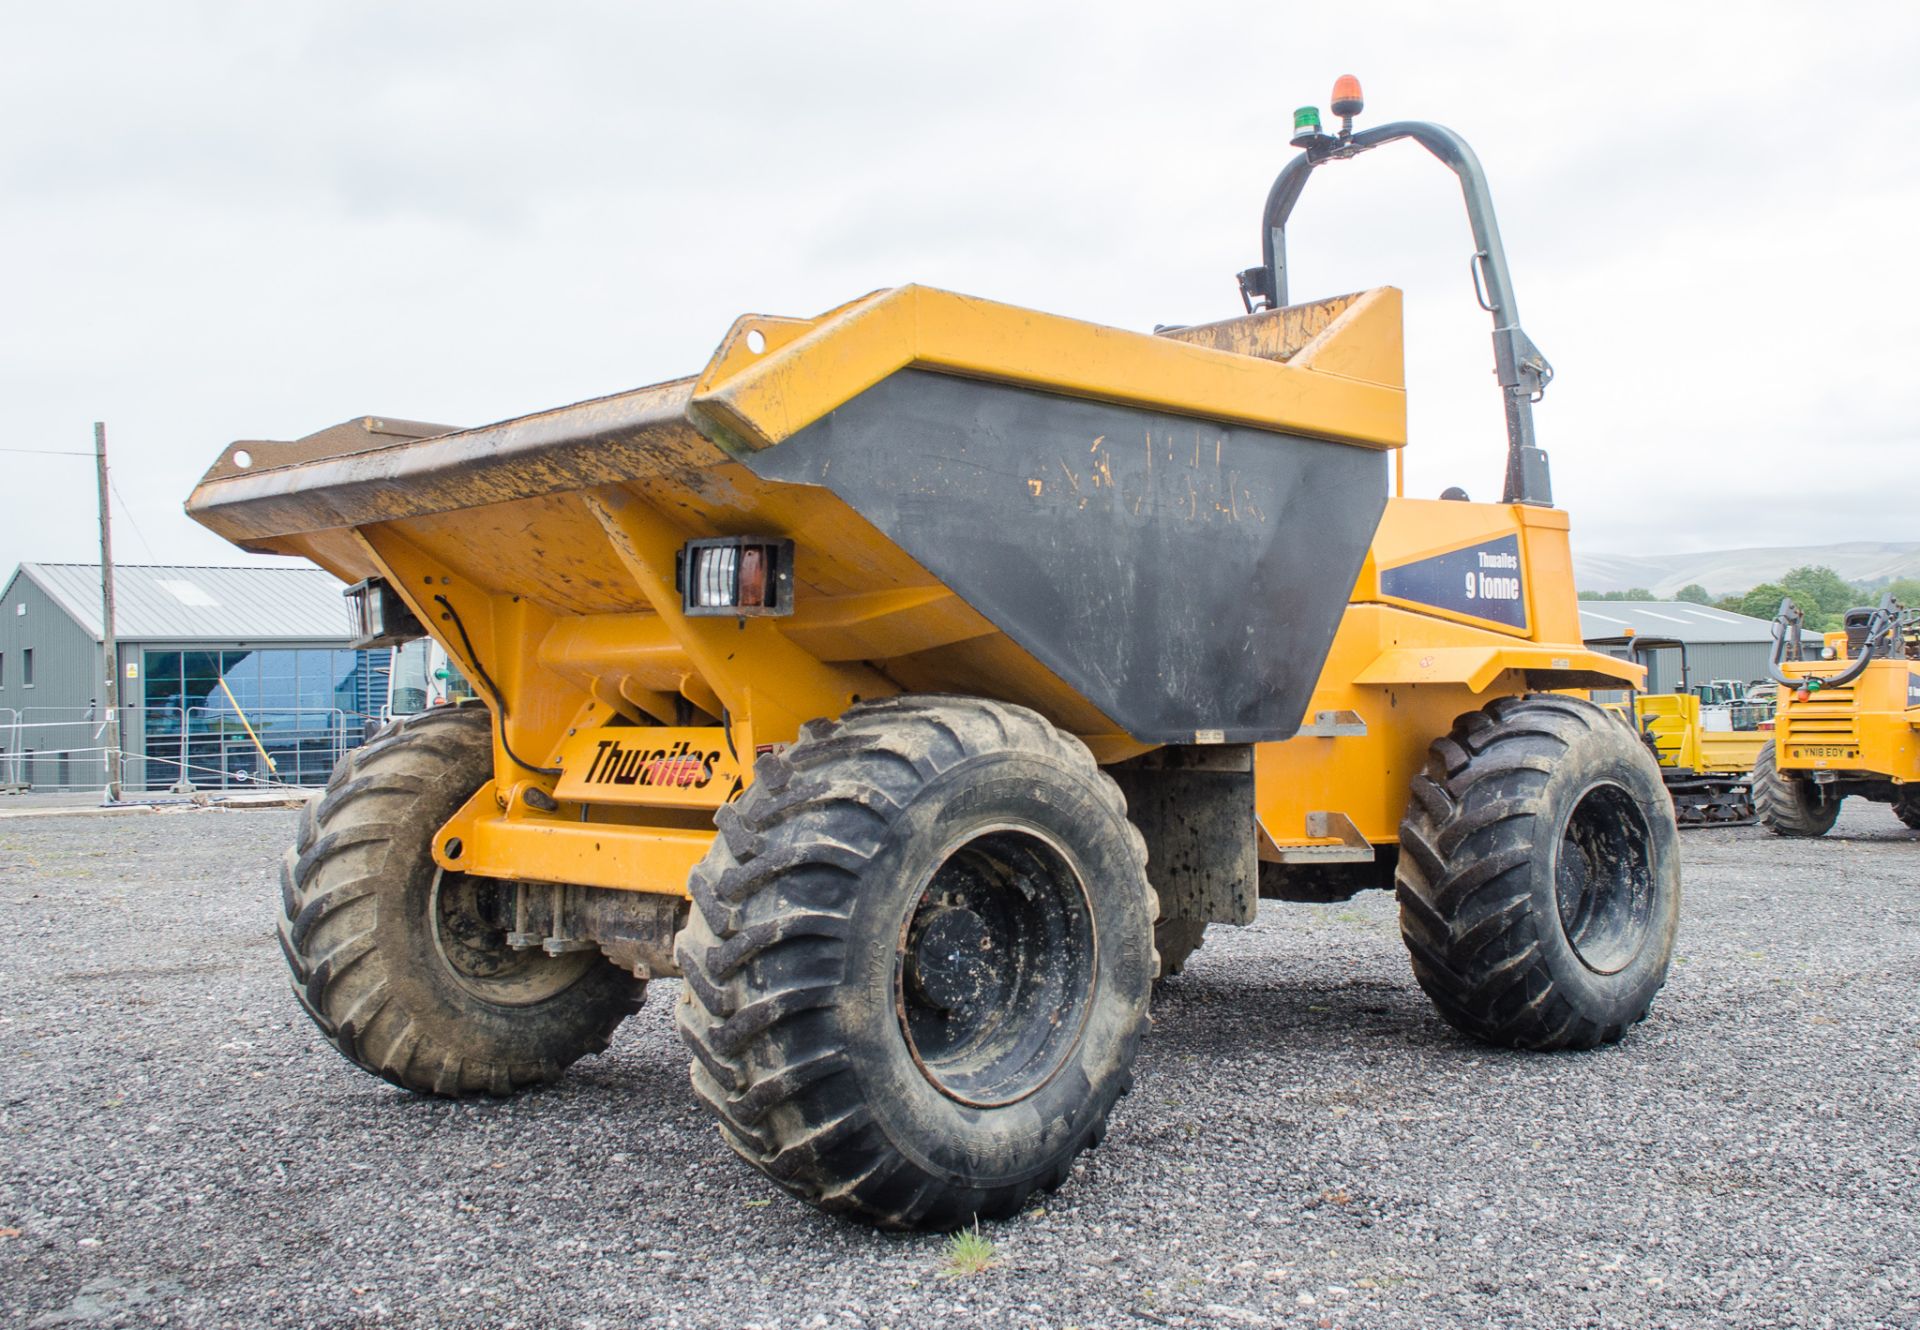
1349	387
1404	671
1682	742
547	565
1870	727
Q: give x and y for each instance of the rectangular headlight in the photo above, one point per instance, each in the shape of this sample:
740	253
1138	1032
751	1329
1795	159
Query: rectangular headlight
736	575
377	617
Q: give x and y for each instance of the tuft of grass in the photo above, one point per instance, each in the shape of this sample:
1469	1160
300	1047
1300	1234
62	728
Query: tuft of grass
968	1252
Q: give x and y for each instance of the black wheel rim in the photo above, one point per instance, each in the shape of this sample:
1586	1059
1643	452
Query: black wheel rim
470	937
1603	879
996	963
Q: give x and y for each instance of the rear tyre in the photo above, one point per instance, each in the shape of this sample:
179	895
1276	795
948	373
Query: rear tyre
1789	805
918	964
1907	806
1539	875
402	966
1176	937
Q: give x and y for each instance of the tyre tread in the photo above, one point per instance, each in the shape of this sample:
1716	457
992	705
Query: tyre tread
1466	850
780	883
329	912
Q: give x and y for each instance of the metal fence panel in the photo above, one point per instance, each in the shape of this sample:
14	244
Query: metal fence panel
220	749
55	748
10	774
167	748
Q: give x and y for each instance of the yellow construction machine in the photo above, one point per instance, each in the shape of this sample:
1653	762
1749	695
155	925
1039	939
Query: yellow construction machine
1706	752
894	678
1847	720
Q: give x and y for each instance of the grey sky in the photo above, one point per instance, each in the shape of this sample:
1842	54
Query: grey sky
224	221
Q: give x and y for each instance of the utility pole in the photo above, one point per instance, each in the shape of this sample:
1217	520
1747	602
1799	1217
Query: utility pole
109	648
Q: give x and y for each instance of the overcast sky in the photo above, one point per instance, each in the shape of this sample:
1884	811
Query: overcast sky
224	221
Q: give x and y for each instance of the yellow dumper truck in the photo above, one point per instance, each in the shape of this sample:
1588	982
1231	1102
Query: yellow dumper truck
897	677
1848	720
1706	753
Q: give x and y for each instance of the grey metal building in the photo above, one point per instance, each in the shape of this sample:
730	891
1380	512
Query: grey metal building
1720	643
229	677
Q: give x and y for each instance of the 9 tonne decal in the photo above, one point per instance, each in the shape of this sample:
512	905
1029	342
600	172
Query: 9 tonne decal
1484	581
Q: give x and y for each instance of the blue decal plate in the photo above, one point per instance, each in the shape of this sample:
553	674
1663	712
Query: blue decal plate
1482	581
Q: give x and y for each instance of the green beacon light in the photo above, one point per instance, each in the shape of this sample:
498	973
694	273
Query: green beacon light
1306	126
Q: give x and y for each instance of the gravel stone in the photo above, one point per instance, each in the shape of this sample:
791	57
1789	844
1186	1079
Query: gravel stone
1306	1143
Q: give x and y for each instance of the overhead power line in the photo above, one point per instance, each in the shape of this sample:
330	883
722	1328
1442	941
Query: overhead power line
126	510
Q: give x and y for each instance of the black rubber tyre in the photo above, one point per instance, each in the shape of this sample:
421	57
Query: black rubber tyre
1788	805
393	959
919	959
1907	806
1539	875
1176	937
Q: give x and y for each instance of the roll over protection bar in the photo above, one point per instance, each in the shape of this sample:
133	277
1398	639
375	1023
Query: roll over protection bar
1791	616
1523	372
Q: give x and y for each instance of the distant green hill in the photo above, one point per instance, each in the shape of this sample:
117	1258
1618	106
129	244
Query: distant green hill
1725	572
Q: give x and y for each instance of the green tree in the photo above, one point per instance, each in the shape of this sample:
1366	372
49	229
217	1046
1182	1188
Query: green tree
1822	594
1906	590
1694	594
1763	602
1824	587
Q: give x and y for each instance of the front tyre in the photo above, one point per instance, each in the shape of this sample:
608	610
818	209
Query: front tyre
403	967
1539	875
918	964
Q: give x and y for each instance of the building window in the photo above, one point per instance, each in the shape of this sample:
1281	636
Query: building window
227	718
3	669
26	668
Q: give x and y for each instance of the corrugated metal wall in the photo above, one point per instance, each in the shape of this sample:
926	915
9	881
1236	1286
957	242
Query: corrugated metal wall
46	729
1745	661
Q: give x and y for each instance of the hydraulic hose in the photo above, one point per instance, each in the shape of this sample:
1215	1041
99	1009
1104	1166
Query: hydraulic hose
1876	628
493	689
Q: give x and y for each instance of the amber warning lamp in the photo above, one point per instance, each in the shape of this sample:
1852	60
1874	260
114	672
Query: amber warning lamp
1347	102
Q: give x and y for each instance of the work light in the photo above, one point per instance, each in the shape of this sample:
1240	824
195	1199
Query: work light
736	575
377	617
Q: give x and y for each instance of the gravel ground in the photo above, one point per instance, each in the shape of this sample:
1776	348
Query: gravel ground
1306	1143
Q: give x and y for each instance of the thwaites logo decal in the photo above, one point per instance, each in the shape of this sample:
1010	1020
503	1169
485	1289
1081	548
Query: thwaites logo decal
679	767
1913	690
1484	581
676	767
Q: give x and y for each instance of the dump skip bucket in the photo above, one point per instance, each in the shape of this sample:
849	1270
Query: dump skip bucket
1149	538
